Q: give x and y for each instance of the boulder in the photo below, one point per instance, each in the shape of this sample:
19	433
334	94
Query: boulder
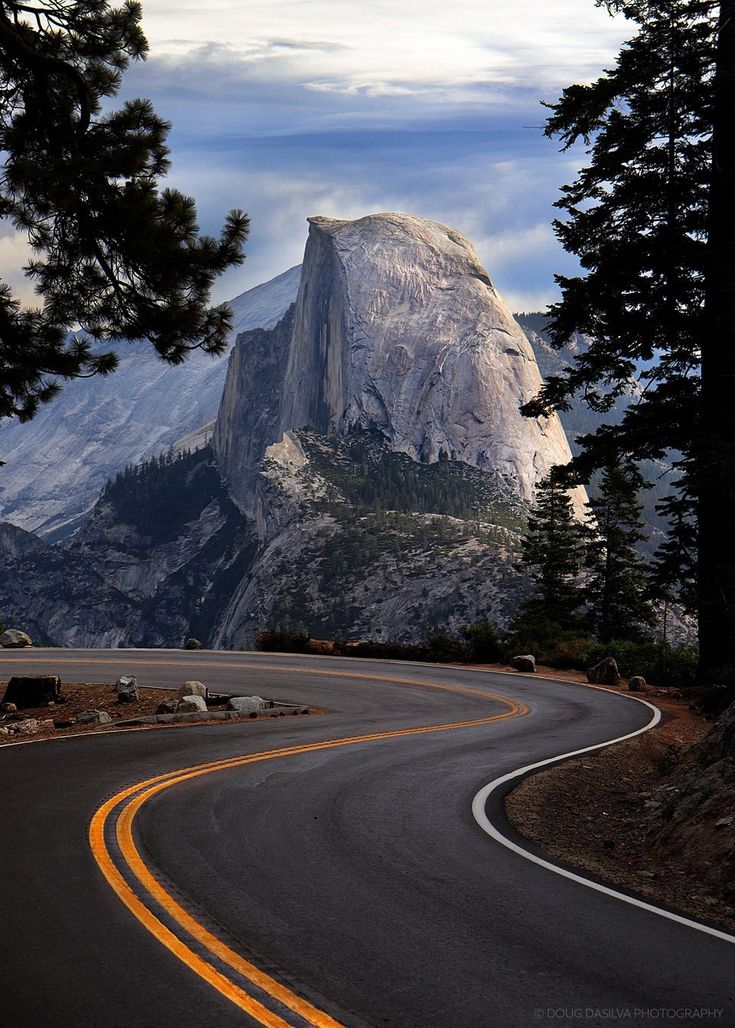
524	662
193	689
192	644
604	673
93	717
14	639
33	690
637	684
246	704
127	689
167	706
190	704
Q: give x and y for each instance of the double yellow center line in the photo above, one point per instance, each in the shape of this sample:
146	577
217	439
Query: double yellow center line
125	805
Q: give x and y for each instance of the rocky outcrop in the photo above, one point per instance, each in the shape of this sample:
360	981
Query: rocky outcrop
346	551
369	471
120	585
250	411
56	465
14	639
398	326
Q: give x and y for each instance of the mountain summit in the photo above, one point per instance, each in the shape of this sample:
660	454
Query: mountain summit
397	327
369	473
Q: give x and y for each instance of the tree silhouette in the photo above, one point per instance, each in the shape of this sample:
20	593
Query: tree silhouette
652	220
114	256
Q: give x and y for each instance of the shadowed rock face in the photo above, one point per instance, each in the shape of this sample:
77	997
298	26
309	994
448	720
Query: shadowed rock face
249	413
57	464
398	327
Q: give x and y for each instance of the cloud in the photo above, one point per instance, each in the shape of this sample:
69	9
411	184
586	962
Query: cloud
352	44
289	108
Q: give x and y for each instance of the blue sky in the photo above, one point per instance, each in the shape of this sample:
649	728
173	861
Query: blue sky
291	108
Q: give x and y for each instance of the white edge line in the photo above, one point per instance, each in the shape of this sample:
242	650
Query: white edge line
479	804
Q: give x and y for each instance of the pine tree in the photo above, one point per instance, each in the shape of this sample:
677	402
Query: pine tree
552	557
714	452
616	590
652	220
113	254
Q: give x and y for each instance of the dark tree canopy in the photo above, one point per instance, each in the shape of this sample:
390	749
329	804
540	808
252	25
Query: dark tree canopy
636	216
552	557
617	587
652	220
115	256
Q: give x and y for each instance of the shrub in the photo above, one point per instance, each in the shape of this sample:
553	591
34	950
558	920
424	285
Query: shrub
659	664
446	649
281	642
483	642
548	641
570	651
385	650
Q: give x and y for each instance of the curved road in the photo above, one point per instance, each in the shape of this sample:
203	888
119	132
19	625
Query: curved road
344	883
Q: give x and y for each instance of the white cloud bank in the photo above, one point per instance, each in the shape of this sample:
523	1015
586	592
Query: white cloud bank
395	47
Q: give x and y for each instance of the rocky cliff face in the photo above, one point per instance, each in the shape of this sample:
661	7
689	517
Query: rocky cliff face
57	464
358	541
370	471
249	413
398	326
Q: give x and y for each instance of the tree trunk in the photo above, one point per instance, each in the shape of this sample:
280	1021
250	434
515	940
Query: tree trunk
716	457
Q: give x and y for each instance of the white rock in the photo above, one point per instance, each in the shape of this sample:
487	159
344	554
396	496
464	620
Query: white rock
246	704
58	463
193	689
190	704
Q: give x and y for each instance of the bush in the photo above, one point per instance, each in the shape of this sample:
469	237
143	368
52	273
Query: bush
569	652
658	663
384	650
484	645
549	642
281	642
446	649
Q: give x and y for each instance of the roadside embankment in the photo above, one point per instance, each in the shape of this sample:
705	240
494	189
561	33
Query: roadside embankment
655	814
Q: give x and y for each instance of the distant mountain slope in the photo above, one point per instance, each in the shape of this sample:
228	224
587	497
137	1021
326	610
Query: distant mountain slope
57	464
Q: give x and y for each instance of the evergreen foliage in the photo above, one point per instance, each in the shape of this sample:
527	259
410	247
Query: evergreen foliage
673	572
652	219
113	253
483	642
370	477
552	555
161	495
616	590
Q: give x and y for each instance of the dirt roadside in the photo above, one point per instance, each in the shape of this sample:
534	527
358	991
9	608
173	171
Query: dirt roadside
655	814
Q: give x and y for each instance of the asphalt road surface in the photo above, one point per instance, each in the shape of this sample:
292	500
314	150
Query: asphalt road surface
292	883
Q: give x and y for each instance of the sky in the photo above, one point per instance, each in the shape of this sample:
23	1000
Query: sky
292	108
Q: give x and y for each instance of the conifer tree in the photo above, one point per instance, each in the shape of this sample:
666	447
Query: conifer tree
552	558
112	253
652	220
616	590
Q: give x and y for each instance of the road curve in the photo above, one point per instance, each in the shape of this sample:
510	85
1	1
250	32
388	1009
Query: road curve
334	862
